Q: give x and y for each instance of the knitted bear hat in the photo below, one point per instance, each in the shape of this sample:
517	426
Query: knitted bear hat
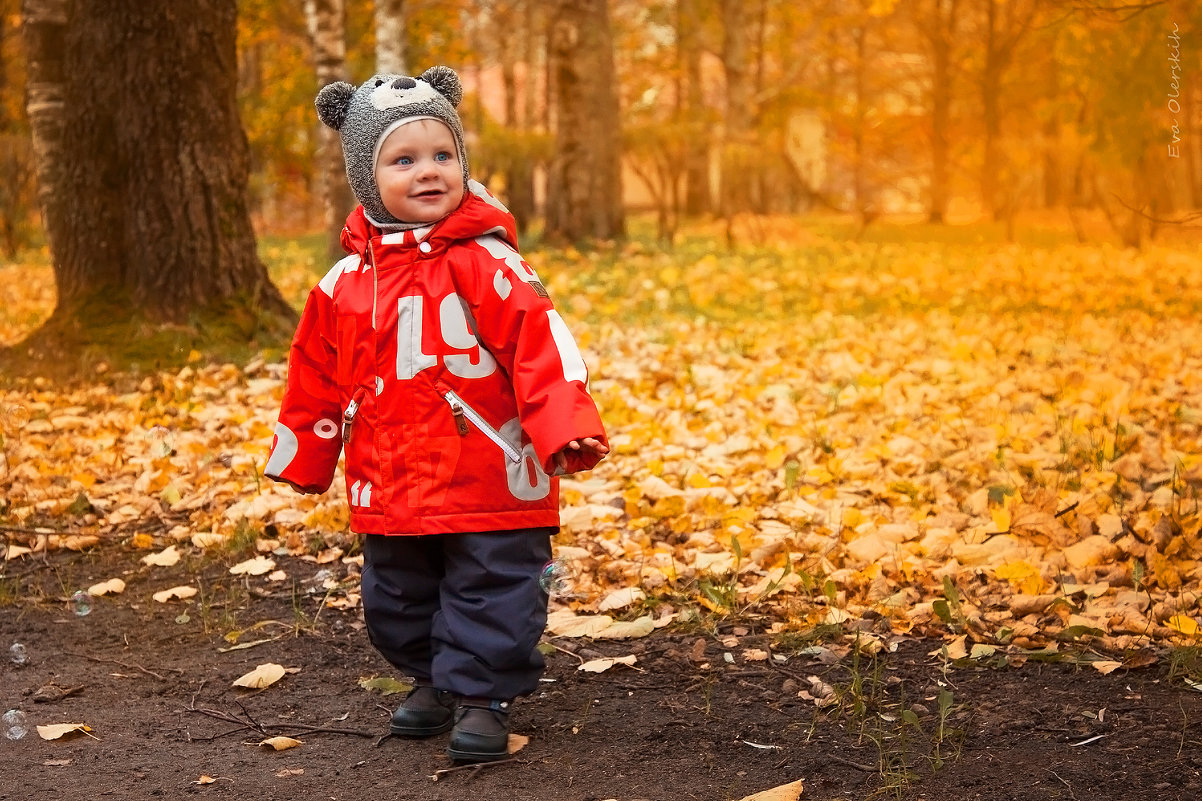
364	116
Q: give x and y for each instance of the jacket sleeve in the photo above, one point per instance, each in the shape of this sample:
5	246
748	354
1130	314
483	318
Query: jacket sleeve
304	452
516	321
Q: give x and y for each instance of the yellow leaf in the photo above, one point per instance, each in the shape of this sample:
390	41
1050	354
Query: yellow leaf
264	675
568	624
602	665
164	558
1023	576
57	730
281	743
785	792
114	585
625	630
142	541
620	599
254	567
1001	519
175	592
1106	666
204	779
516	743
1184	624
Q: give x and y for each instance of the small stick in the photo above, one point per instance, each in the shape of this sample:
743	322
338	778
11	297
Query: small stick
122	664
475	767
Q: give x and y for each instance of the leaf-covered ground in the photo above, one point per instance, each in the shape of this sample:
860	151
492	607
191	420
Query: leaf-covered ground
994	443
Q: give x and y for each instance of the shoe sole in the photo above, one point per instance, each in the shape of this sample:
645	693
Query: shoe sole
472	756
422	732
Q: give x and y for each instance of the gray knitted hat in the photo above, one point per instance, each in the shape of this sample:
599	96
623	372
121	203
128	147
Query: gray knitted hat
365	115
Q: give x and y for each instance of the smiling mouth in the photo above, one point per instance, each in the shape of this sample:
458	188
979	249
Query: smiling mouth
429	193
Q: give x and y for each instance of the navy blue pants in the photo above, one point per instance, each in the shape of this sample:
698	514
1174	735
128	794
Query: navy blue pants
463	610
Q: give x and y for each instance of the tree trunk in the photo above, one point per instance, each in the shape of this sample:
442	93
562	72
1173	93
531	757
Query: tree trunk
519	167
390	36
696	155
326	21
142	167
940	29
739	134
584	196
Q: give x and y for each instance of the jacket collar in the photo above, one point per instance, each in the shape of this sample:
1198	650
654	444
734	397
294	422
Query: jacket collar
476	216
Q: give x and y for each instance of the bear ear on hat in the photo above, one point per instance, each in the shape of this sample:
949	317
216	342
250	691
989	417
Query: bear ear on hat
446	82
332	103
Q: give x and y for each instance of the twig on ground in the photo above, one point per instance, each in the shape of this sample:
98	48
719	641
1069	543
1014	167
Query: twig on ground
123	664
850	764
261	728
475	767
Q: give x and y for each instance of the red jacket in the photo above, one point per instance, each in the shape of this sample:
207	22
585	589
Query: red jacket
435	359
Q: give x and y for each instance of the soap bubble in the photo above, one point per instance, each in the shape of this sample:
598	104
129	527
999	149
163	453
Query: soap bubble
556	578
17	654
160	441
81	603
14	724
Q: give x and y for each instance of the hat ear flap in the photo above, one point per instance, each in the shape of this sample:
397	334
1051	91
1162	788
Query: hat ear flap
333	102
446	82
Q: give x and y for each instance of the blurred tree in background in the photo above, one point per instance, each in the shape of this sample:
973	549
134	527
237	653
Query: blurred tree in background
950	110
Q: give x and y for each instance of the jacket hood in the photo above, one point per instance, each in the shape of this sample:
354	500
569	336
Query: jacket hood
479	214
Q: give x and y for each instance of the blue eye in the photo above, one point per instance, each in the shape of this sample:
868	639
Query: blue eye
444	156
405	160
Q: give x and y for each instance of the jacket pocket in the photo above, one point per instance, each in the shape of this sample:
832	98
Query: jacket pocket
465	414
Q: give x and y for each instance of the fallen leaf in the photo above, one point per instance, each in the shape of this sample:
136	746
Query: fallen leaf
264	675
785	792
602	665
204	779
1184	624
516	743
620	599
57	730
114	585
164	596
384	685
569	624
165	558
281	743
207	539
1106	666
627	629
254	567
285	772
755	655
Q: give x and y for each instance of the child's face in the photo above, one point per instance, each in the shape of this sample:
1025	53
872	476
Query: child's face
418	172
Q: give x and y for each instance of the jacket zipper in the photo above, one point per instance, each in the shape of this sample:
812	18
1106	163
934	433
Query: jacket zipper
375	283
348	416
464	413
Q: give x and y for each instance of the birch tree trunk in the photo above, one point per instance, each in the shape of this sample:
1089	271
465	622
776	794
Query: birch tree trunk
584	194
390	36
142	167
326	21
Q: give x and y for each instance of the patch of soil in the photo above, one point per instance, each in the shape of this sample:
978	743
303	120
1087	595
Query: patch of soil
156	690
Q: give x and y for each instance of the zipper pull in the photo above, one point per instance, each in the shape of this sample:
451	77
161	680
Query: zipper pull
348	418
460	422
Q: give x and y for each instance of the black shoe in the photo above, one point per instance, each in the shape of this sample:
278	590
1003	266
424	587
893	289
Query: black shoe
481	731
424	713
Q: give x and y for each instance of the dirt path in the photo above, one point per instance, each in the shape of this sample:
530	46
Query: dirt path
688	725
